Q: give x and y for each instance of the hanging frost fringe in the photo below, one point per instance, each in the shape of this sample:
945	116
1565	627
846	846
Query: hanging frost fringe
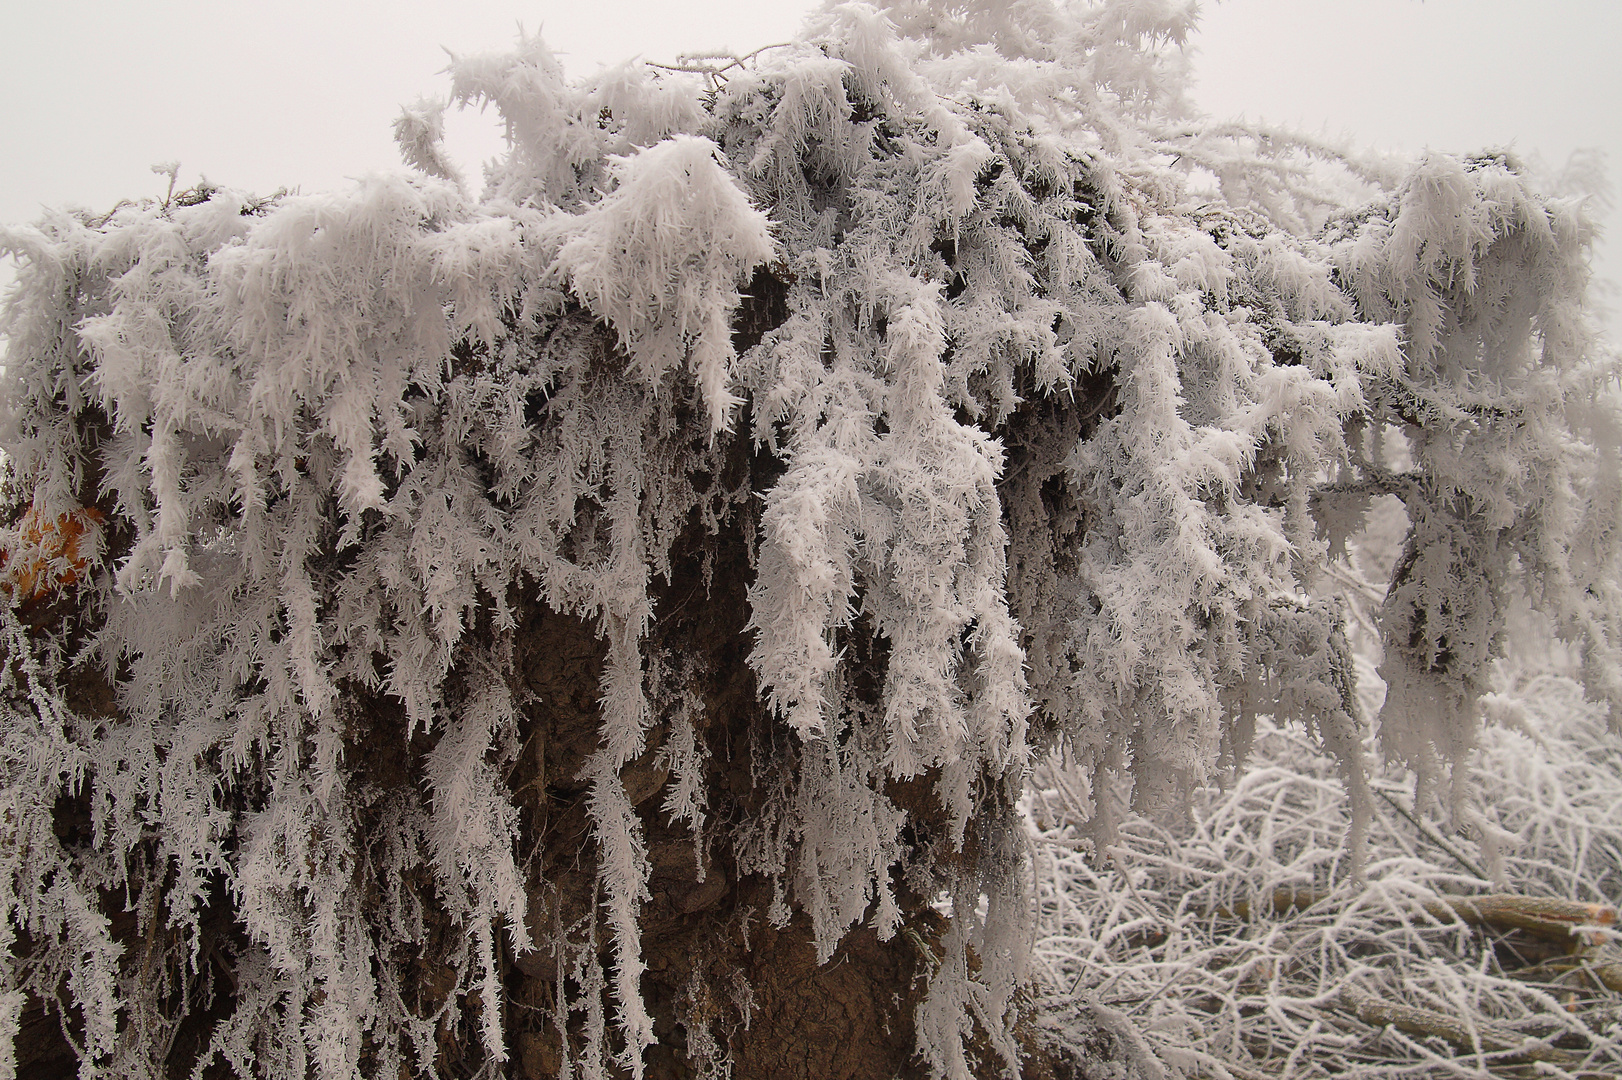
660	259
1030	443
1486	278
470	836
623	872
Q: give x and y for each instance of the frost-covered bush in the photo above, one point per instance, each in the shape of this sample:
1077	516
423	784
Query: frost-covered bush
1025	408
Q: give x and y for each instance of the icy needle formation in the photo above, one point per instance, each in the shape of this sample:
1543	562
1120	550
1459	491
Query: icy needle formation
812	442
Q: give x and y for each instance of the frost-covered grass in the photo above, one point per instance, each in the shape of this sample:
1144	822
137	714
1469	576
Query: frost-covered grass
1154	929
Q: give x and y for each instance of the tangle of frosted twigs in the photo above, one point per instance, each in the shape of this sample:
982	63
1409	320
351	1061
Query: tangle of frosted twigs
1243	945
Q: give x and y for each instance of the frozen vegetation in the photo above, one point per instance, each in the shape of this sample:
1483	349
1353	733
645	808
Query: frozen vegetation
368	710
1241	940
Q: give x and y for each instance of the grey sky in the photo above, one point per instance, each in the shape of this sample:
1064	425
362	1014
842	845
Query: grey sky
302	93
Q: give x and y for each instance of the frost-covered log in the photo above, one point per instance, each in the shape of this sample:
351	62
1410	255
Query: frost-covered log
603	626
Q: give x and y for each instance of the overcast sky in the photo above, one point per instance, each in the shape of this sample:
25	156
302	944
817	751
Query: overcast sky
299	93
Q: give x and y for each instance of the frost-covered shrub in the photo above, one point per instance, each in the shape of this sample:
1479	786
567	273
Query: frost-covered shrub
1031	441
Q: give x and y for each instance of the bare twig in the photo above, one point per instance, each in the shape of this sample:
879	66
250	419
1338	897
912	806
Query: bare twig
1465	1034
1434	837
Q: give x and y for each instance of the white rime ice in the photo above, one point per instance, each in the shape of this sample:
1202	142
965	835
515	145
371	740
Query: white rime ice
1072	396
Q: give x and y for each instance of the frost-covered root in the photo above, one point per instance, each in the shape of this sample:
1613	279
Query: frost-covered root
1243	942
